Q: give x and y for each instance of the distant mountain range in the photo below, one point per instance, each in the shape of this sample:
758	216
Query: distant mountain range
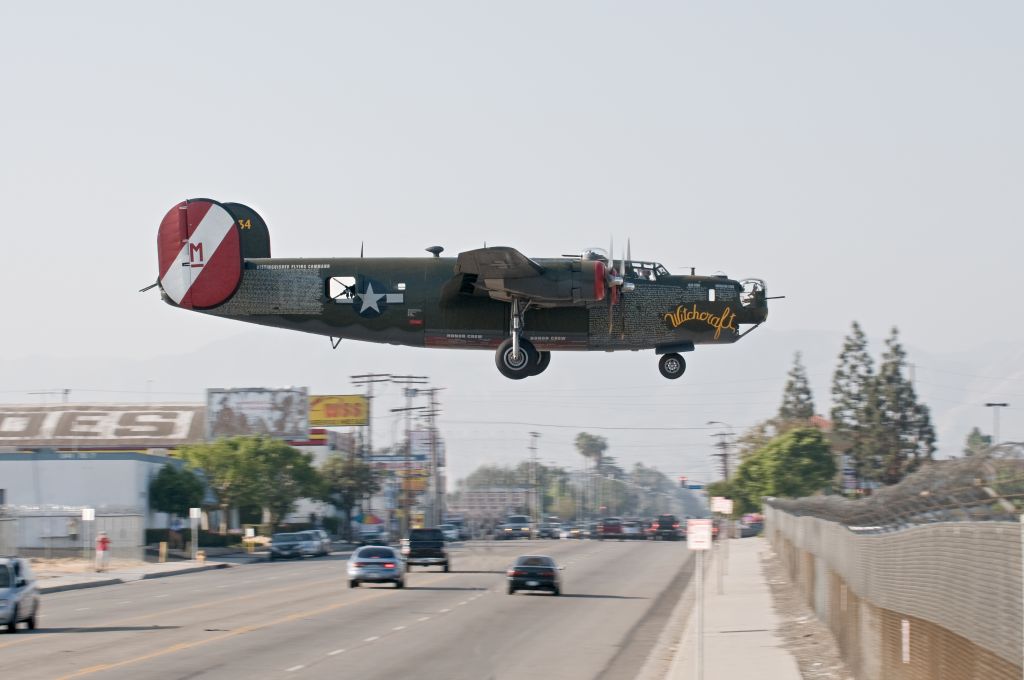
739	384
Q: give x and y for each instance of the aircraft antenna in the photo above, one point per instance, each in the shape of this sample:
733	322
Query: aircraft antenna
361	244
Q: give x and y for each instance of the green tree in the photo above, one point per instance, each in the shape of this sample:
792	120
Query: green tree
174	490
230	470
796	463
284	475
977	443
853	384
592	448
259	471
797	401
901	427
345	482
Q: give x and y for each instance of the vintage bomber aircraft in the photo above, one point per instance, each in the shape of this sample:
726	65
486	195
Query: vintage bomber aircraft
215	258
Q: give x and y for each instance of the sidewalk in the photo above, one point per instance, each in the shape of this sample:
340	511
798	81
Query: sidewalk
739	625
148	570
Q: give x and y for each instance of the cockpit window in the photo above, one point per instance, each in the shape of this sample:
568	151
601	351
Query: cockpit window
645	271
752	289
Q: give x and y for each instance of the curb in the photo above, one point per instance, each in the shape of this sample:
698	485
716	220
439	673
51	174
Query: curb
79	586
116	581
189	570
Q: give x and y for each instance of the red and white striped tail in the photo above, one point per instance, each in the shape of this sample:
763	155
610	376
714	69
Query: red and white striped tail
200	253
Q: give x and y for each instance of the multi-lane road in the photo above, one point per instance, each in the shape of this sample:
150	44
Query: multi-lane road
299	619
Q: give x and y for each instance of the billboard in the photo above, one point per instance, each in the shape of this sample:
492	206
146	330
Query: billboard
280	413
99	425
338	410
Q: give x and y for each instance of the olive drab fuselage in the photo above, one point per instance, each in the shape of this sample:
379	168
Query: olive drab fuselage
215	258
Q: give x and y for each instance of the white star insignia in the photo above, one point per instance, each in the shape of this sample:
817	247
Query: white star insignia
370	299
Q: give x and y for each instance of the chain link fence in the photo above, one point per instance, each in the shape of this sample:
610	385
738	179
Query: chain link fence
923	579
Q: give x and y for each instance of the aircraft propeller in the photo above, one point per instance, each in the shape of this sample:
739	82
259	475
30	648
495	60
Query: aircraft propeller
617	285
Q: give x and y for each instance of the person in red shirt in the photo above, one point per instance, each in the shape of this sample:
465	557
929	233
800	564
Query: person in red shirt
102	551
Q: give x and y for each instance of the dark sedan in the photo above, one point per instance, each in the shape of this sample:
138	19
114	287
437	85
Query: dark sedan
534	572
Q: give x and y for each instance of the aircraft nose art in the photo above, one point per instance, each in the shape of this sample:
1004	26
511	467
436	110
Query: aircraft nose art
200	254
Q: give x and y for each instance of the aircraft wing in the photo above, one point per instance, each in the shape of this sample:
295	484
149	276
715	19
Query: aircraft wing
504	273
499	262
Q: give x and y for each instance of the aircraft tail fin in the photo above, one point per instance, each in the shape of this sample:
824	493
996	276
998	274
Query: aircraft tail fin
201	247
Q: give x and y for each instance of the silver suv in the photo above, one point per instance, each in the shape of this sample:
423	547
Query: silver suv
19	596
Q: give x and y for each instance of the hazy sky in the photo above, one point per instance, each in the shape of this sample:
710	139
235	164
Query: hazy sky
866	158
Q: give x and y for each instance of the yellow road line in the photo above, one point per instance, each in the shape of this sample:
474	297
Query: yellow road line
239	631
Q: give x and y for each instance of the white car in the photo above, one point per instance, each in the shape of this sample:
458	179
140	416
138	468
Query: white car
19	597
376	564
322	539
450	532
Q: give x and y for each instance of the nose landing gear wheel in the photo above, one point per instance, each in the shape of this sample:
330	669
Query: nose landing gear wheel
515	366
672	365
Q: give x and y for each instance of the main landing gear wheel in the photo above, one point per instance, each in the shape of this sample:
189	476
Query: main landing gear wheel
516	366
543	360
672	365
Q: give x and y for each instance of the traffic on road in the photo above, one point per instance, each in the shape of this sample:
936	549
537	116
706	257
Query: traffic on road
362	612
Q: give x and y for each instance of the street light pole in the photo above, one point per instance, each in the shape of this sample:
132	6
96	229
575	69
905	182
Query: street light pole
995	406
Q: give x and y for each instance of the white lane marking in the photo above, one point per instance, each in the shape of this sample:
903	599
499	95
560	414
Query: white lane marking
423	618
125	602
398	628
294	668
82	609
164	595
444	611
224	586
335	652
461	603
372	638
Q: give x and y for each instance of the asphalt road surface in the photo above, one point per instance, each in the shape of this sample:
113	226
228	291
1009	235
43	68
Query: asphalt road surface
299	619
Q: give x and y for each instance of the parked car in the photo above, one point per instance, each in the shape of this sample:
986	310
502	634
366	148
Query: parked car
295	544
373	534
322	541
19	595
751	529
450	532
534	572
376	564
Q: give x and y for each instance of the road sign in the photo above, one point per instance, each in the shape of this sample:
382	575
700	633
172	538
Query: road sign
88	514
195	513
721	504
695	487
698	534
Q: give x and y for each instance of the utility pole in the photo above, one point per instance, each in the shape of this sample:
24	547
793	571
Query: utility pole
410	392
723	446
537	509
995	406
369	379
433	411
